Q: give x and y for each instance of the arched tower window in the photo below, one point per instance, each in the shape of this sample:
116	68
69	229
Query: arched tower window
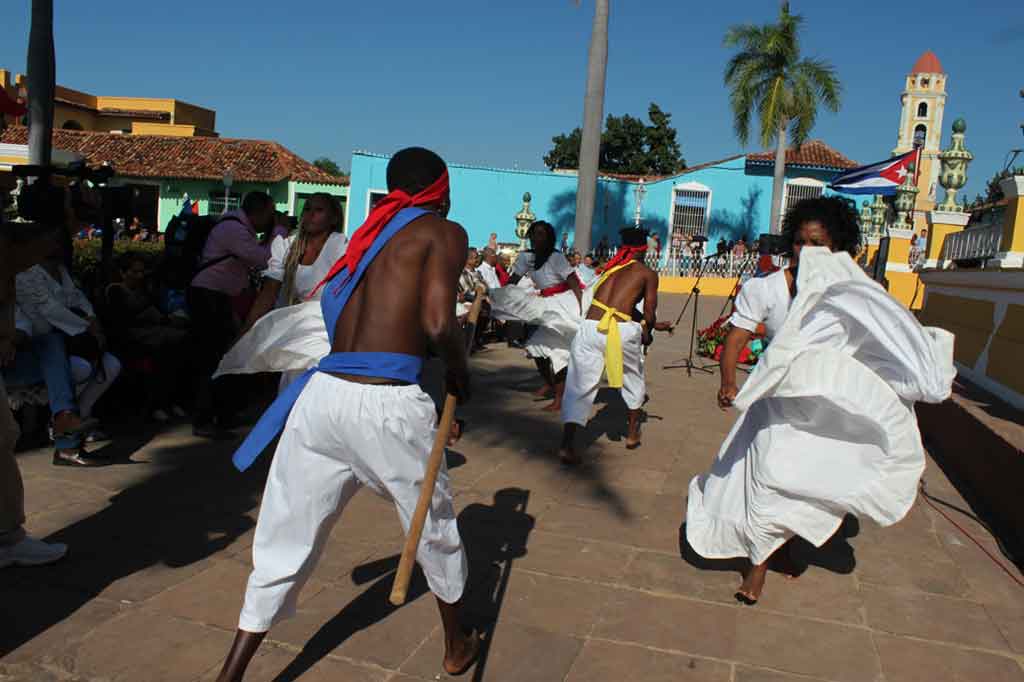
72	124
920	135
922	110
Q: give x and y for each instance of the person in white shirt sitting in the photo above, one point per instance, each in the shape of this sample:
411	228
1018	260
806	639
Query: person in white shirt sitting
49	298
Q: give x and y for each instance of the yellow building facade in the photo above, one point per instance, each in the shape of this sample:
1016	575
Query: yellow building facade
76	110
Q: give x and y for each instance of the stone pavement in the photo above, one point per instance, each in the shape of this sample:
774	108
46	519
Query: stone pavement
576	576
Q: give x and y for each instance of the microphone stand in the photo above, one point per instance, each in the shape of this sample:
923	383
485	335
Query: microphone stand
694	296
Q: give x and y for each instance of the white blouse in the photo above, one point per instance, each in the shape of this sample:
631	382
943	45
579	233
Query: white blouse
306	276
762	300
556	269
47	302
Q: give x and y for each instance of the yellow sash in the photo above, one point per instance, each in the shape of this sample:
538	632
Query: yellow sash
613	348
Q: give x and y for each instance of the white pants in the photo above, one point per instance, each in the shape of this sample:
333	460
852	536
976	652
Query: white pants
586	364
89	387
340	436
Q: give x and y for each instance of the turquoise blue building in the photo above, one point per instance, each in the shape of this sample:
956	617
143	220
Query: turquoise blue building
726	199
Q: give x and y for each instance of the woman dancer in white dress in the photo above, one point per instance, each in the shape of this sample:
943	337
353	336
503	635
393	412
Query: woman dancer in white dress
826	424
554	305
300	261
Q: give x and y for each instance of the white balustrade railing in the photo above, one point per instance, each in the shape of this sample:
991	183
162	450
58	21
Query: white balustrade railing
682	263
976	243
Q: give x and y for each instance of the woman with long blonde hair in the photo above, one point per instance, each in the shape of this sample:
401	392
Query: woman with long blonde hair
299	261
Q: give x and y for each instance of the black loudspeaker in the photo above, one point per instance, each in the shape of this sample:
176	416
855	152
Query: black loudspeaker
881	258
771	245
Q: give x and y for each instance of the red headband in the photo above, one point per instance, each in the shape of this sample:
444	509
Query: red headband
624	254
386	209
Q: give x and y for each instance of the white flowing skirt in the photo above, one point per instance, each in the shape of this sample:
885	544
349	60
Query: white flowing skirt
290	339
826	425
558	318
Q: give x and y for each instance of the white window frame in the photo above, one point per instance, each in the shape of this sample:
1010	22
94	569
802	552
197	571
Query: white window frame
369	193
798	182
686	187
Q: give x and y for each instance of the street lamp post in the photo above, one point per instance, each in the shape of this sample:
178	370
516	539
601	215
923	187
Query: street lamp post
640	192
228	179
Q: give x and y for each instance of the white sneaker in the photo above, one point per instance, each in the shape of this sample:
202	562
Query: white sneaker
161	416
31	552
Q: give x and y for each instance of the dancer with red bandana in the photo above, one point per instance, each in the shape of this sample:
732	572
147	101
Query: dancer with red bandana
554	306
359	418
611	339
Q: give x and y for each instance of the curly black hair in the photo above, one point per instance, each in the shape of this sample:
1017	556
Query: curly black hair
837	215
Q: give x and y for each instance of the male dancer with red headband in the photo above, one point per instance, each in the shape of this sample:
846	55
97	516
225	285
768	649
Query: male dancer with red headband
359	418
611	340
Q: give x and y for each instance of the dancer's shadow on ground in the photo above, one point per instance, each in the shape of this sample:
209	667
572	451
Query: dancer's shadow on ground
611	419
493	536
836	555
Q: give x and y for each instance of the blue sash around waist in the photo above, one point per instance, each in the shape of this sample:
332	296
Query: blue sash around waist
397	366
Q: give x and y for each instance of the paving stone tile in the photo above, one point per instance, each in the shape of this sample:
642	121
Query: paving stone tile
817	593
656	572
47	620
906	660
989	583
693	627
926	568
806	647
273	663
516	652
360	624
932	617
561	605
214	596
575	558
1009	619
622	478
601	660
746	674
148	646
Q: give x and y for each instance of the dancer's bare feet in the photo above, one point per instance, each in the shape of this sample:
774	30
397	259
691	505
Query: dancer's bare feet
633	437
461	654
554	406
544	391
568	456
753	584
456	431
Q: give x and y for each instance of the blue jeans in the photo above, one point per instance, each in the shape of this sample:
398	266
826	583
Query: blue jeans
44	360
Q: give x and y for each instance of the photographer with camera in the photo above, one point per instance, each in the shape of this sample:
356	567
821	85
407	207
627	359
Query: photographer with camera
232	249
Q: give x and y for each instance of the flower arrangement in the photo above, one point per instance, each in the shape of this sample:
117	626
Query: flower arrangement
711	343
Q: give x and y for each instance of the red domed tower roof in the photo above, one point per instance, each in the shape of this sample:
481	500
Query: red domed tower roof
927	63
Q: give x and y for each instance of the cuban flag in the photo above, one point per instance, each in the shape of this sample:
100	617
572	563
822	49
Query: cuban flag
878	178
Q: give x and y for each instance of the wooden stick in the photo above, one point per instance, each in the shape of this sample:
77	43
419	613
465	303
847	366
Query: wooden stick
412	540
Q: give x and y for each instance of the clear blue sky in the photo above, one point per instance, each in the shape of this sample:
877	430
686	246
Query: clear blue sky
490	82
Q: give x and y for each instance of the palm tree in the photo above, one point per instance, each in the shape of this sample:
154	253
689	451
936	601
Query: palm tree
593	112
40	82
768	76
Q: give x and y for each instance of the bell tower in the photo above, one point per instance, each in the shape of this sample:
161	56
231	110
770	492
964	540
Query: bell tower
923	103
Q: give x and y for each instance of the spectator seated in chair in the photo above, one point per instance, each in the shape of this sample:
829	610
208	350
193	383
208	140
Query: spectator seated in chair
50	300
151	342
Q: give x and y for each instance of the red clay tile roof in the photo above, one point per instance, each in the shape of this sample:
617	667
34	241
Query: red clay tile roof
813	154
191	158
927	63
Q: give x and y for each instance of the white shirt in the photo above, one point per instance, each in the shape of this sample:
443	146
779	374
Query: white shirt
489	275
762	300
306	276
556	269
586	274
47	302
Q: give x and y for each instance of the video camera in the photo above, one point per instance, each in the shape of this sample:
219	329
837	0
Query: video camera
42	201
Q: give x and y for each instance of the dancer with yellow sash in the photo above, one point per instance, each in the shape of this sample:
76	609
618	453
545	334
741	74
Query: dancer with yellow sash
611	340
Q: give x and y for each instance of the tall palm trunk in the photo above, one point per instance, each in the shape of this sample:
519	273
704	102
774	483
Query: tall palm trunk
593	113
779	181
41	78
